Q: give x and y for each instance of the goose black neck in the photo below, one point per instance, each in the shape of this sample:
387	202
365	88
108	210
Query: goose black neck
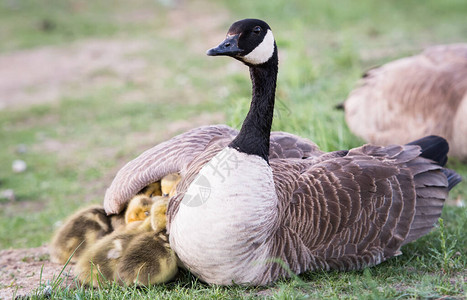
256	129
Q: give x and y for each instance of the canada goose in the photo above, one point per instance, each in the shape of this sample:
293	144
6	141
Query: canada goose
412	97
249	199
80	230
135	254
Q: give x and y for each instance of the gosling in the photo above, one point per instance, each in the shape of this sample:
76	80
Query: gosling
136	255
81	230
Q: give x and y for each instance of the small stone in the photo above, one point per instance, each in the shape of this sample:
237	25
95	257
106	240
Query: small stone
8	195
19	166
460	202
47	292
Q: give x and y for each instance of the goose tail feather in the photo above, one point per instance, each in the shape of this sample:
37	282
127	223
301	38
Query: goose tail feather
431	189
453	177
431	184
433	147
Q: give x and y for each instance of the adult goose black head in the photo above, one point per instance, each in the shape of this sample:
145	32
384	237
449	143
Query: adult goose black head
252	42
248	199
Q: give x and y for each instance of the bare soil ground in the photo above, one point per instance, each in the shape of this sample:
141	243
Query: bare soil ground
43	75
22	271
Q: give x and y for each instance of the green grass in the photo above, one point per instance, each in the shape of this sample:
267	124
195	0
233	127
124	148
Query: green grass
76	145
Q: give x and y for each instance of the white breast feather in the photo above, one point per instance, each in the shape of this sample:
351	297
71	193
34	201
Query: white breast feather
223	224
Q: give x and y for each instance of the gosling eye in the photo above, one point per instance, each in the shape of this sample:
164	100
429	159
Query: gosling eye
146	213
257	29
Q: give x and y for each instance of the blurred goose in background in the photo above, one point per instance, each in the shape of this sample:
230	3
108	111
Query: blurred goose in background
252	198
412	97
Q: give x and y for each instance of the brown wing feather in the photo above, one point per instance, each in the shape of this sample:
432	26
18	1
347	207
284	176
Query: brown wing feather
287	145
354	211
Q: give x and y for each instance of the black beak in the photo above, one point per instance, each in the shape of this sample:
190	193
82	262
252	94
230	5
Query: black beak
228	47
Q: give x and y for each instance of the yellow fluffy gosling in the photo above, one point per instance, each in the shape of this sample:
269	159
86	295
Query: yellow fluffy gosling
135	255
169	184
81	230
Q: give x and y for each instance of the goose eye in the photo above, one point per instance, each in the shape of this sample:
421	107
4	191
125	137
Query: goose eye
257	29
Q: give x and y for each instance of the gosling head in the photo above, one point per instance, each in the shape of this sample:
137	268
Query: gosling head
138	208
169	183
250	41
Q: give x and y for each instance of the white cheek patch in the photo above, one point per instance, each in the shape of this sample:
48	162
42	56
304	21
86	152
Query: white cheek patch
263	52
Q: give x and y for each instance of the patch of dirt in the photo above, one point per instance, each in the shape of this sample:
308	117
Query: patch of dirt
21	271
43	75
205	21
457	202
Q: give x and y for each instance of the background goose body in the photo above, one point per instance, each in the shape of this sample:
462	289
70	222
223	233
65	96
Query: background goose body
412	97
279	197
